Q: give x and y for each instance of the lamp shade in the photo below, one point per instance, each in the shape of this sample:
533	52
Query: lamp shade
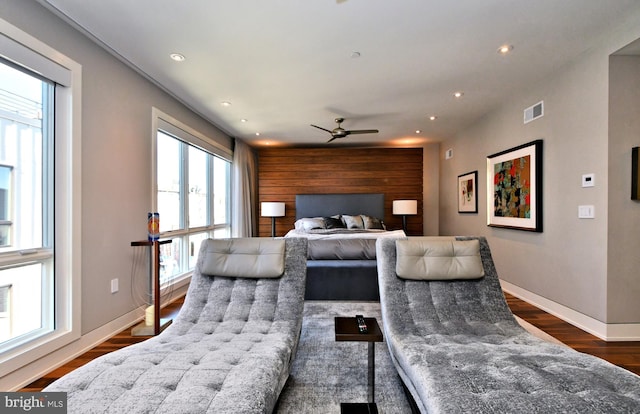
405	207
272	209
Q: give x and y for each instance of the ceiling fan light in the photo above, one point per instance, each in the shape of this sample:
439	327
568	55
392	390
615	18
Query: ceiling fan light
339	132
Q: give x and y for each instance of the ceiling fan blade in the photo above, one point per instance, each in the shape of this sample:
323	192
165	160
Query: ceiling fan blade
332	138
362	131
324	129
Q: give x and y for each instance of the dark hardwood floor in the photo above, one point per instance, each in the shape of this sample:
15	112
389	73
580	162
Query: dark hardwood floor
623	354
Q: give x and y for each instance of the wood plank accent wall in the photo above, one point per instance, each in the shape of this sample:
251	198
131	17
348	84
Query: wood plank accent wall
285	172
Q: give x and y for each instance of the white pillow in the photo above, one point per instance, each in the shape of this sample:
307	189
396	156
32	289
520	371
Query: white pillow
309	223
353	222
372	223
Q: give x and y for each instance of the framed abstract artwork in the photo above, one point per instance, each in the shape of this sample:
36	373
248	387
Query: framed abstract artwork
514	188
468	192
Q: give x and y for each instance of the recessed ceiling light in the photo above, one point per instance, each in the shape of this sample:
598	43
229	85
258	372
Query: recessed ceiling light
418	131
257	134
504	49
458	94
225	103
433	117
355	55
243	120
177	57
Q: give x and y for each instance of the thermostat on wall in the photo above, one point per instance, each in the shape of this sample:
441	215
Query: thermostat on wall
588	180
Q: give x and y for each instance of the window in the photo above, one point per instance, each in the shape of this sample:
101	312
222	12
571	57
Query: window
26	173
39	152
6	327
192	195
5	192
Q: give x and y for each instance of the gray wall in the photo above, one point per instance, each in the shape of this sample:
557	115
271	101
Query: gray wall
623	284
430	189
116	160
585	265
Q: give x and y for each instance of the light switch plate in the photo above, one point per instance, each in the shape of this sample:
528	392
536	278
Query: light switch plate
588	180
586	212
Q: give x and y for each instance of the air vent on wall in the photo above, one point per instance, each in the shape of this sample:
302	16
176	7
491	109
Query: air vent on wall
534	112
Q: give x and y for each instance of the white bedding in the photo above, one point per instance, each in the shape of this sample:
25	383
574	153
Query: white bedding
328	234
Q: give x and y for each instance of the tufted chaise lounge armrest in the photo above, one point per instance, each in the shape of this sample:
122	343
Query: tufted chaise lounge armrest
229	350
458	348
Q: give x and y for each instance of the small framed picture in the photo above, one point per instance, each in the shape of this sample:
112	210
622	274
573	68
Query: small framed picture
468	192
514	188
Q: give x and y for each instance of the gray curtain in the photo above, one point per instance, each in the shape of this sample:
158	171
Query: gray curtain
244	191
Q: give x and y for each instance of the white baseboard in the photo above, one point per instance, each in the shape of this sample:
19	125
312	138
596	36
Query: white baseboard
37	369
607	332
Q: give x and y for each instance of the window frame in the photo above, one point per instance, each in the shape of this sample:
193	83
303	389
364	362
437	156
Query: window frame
182	132
26	51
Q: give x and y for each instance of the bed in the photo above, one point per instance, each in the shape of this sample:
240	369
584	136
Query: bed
341	262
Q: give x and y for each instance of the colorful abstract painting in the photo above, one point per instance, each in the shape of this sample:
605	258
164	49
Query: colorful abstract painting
512	188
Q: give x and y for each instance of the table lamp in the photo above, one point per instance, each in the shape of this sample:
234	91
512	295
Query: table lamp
405	208
272	209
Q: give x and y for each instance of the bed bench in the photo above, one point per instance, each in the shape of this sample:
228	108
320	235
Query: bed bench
342	270
228	351
342	280
341	267
458	348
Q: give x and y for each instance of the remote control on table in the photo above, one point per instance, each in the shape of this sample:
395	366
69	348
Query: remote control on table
362	326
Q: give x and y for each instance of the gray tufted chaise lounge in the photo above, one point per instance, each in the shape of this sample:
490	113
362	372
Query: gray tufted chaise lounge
228	351
458	348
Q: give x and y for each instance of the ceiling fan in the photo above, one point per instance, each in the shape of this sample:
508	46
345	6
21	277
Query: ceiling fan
340	132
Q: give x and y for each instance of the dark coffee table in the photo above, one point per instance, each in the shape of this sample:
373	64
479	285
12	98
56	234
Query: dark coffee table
347	330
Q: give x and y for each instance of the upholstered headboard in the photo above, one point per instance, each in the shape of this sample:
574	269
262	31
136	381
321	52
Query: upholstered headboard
325	205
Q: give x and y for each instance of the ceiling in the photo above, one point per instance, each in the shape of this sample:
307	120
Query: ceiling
285	64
